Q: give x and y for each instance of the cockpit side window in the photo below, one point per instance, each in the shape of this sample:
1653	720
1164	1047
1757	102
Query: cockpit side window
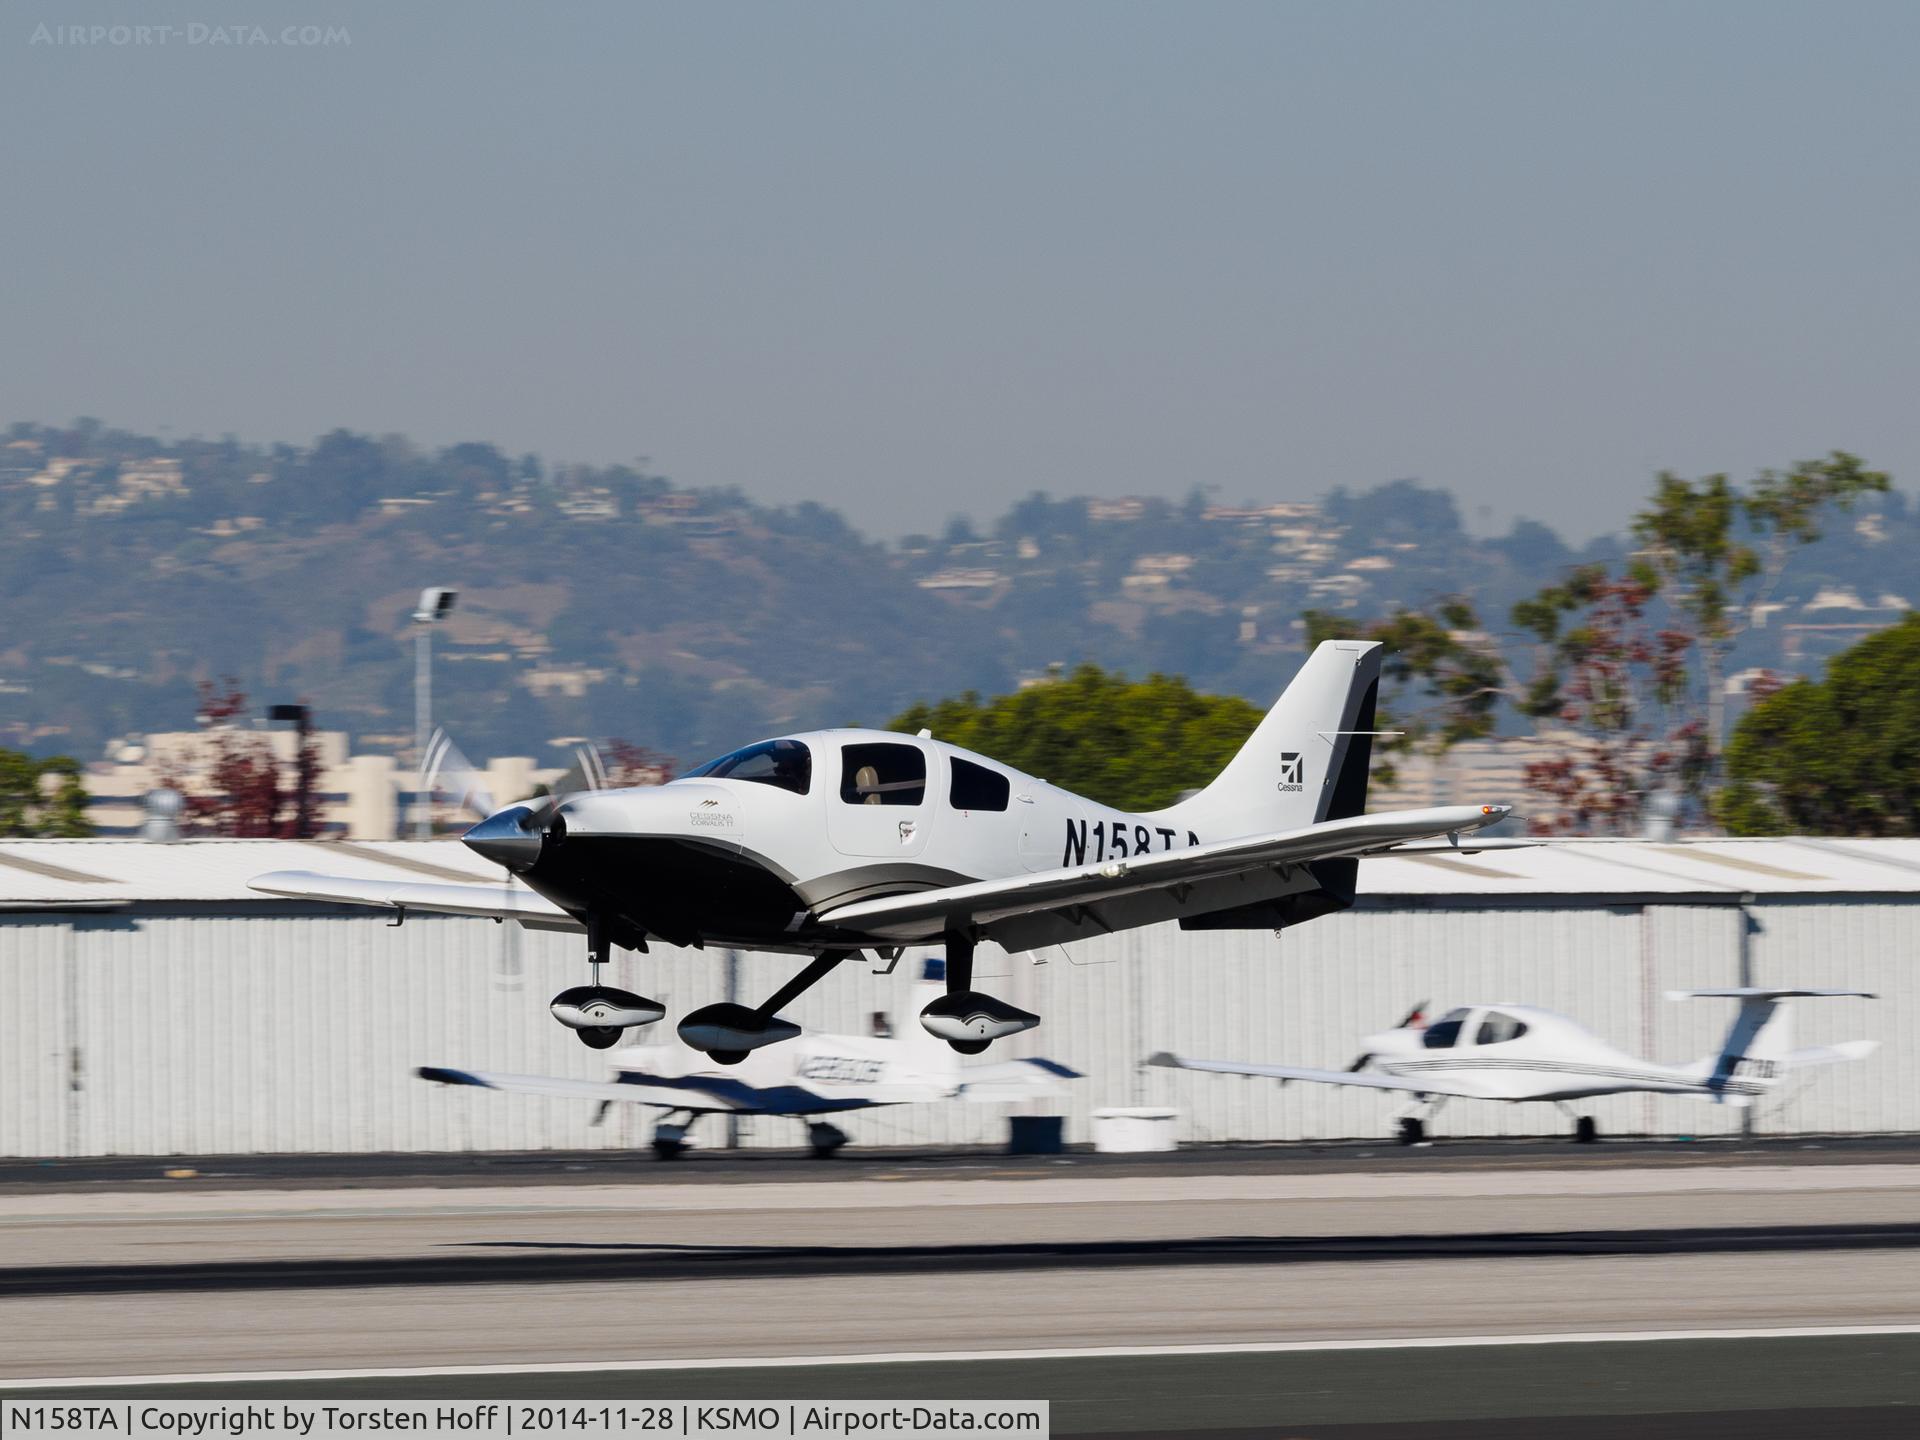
787	764
1444	1033
883	774
975	787
1497	1029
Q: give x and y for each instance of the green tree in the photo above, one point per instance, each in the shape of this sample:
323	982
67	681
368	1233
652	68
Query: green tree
1136	745
1607	672
1718	553
1442	679
1636	661
42	798
1835	756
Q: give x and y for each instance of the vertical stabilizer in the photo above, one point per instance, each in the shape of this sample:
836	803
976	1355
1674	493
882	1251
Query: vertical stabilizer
1307	761
1758	1048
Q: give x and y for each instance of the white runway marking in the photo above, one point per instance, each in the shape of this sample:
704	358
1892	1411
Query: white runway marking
922	1357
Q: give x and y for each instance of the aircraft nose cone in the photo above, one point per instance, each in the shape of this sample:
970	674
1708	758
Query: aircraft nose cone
506	838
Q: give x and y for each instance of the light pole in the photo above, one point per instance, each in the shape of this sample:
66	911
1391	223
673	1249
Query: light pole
436	601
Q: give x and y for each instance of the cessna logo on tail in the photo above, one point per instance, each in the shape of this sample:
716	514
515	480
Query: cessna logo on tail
1292	770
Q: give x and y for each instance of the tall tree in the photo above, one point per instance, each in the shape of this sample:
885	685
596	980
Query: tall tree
1636	661
1607	671
1718	553
1834	756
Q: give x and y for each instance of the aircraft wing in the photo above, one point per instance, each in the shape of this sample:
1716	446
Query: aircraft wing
496	901
1196	880
719	1094
1370	1080
1015	1080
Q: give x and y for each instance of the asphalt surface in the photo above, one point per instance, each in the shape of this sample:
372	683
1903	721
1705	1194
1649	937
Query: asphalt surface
1757	1389
600	1167
270	1269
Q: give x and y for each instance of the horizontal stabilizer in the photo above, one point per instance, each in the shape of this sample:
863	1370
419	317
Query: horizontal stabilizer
1756	993
1829	1054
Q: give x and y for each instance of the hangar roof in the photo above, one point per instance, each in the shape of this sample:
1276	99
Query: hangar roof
38	873
69	874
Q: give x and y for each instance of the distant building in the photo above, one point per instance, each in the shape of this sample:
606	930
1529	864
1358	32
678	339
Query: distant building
357	797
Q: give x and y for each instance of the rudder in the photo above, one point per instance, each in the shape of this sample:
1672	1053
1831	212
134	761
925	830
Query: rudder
1307	761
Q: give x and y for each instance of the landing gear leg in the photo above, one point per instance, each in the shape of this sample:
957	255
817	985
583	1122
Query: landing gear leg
823	1139
598	1013
727	1031
670	1140
1413	1120
1586	1129
963	1017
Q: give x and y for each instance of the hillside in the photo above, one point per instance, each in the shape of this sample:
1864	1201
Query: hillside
609	602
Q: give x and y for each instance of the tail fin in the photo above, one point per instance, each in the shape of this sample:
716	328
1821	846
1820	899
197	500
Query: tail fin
1758	1048
1308	759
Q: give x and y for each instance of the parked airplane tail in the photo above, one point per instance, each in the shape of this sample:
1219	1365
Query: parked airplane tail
1758	1048
1307	761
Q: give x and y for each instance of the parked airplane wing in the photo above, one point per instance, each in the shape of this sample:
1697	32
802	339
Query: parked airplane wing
497	901
1015	1080
987	904
1370	1080
719	1094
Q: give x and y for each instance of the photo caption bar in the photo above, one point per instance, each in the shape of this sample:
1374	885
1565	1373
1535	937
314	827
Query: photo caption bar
658	1420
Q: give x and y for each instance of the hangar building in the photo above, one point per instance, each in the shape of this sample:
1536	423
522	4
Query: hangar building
151	1004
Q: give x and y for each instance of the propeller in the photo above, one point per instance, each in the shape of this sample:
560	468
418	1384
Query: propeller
511	837
1414	1019
445	770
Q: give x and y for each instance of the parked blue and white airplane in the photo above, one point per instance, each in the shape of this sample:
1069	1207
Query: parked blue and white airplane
817	1075
1522	1053
835	843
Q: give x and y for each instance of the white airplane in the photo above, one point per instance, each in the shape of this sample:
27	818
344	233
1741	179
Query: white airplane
818	1074
836	842
1521	1053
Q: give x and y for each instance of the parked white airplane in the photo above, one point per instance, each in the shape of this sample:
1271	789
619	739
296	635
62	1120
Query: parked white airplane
819	1074
1520	1053
835	842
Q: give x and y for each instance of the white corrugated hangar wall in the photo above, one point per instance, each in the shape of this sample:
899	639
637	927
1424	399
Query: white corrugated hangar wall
252	1027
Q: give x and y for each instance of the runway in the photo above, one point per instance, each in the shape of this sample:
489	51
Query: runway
143	1280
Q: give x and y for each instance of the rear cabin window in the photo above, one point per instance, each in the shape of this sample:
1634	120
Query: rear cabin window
883	775
1444	1033
1497	1029
975	787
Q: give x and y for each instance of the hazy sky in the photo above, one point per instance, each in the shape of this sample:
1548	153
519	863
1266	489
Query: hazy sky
911	259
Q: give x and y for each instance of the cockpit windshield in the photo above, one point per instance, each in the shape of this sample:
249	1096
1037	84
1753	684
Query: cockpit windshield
1444	1033
1497	1029
785	763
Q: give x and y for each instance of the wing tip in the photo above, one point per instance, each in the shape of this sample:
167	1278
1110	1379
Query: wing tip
442	1075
